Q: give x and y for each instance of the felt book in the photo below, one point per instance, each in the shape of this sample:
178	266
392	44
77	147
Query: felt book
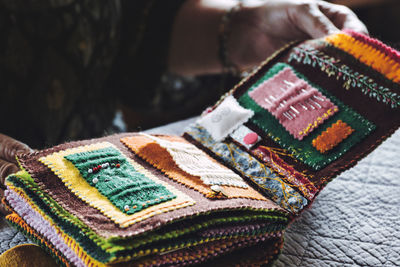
224	192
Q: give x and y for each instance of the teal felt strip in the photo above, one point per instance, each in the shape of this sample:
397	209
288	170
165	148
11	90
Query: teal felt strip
304	150
128	189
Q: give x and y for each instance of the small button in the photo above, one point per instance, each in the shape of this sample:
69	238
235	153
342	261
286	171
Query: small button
250	138
95	180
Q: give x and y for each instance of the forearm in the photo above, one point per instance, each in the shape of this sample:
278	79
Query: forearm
194	38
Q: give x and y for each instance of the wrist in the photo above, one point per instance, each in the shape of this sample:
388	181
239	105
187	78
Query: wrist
194	45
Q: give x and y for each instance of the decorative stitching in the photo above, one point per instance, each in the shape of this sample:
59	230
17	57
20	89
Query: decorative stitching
41	225
387	50
367	54
298	106
303	150
225	118
158	157
308	55
78	185
195	162
332	136
18	222
288	173
109	172
272	185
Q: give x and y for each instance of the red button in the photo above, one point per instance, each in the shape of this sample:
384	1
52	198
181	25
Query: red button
250	138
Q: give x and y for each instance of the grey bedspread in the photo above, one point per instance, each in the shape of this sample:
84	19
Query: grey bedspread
355	221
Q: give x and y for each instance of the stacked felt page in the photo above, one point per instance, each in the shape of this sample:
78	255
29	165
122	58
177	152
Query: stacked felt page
140	199
232	183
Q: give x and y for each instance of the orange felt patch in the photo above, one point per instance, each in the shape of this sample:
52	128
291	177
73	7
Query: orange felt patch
332	136
367	54
159	157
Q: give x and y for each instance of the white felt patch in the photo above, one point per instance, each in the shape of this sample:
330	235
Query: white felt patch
245	136
224	119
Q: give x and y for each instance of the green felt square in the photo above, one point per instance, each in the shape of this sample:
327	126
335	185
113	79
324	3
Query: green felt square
304	150
126	188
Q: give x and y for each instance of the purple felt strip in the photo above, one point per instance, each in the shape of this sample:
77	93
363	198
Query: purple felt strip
40	225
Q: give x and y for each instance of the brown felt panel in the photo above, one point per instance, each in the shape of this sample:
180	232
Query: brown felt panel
385	118
51	184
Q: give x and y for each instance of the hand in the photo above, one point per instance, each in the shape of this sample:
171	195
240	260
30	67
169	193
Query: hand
257	30
9	147
261	28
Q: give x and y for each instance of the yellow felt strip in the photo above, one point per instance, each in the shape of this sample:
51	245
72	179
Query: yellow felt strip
367	54
72	178
70	242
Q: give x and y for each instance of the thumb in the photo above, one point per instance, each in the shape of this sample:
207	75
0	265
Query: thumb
310	20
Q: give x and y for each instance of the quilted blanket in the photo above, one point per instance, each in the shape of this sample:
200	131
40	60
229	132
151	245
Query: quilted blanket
353	222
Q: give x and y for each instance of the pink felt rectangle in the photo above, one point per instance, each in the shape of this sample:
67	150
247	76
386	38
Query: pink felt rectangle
298	106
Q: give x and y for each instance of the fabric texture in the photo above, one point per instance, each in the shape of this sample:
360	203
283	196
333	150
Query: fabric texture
298	106
332	66
303	150
297	179
109	171
332	136
264	178
158	157
195	162
379	60
228	116
287	171
73	179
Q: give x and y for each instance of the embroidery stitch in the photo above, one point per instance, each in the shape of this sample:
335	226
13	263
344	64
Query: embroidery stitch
366	54
297	179
78	185
272	185
332	136
195	162
158	157
298	106
303	150
308	55
225	118
125	187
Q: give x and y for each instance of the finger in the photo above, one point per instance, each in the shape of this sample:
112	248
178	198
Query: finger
312	21
6	168
343	17
9	147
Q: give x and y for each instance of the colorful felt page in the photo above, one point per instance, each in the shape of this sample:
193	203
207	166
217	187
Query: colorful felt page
51	232
297	105
53	187
73	179
351	76
303	150
196	162
261	175
377	58
356	73
111	174
159	157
